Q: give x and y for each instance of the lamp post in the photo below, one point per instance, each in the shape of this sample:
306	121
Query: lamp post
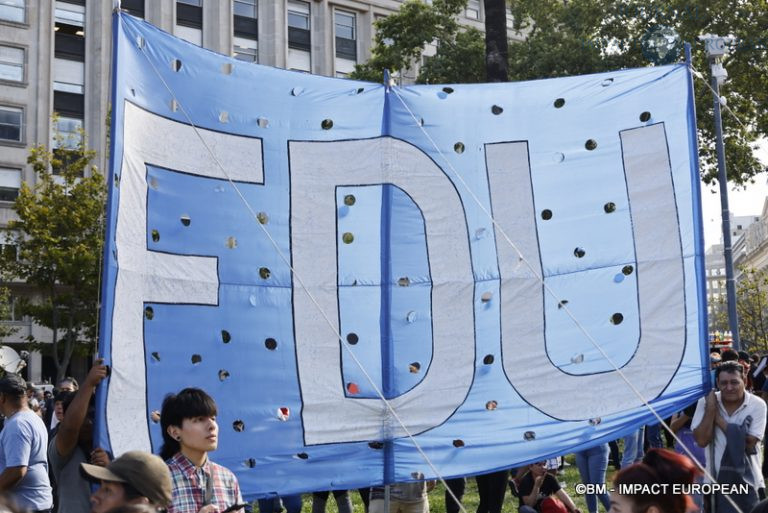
717	48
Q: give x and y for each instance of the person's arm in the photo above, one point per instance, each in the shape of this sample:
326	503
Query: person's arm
704	431
11	477
69	428
566	499
678	422
532	498
757	428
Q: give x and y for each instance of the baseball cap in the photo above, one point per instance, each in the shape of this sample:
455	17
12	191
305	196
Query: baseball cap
147	473
13	384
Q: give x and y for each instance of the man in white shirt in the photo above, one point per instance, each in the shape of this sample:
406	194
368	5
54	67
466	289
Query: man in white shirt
732	404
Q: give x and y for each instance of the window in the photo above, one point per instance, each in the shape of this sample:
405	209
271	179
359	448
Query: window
245	49
299	37
245	19
298	15
345	25
11	63
133	7
69	131
70	35
8	311
346	44
13	10
8	245
70	14
10	182
189	13
68	76
473	10
189	21
245	8
11	123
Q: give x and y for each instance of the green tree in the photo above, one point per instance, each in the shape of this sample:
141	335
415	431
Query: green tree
752	309
573	37
402	36
588	36
59	237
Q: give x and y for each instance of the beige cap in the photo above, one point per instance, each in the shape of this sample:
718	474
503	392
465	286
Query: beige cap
147	473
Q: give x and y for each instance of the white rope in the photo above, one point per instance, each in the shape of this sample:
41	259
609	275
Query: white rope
348	349
532	269
697	74
287	262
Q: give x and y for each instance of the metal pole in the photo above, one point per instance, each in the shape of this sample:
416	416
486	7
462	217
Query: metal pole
722	177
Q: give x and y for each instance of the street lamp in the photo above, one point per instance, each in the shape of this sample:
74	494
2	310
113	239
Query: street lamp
717	48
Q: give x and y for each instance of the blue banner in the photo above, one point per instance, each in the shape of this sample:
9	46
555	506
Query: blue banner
517	268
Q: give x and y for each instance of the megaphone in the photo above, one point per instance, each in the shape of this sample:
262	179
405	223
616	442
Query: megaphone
10	361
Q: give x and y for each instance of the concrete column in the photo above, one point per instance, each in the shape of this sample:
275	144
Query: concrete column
98	58
41	79
273	33
322	38
218	27
161	13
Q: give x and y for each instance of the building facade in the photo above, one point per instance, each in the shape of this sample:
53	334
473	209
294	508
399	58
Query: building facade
715	269
55	56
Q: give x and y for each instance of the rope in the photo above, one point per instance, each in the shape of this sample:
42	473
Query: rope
533	271
330	324
720	99
287	262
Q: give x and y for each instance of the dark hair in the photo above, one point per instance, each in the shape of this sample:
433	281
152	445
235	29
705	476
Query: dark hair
659	466
730	367
13	386
187	404
743	355
66	399
729	355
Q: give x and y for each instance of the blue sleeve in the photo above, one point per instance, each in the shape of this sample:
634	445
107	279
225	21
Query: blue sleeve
17	445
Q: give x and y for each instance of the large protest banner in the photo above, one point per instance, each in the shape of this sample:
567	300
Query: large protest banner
516	267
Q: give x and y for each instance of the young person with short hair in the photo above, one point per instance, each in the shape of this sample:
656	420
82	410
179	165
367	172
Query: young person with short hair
190	432
23	441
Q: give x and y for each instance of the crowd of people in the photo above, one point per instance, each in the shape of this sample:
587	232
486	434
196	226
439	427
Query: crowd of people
48	461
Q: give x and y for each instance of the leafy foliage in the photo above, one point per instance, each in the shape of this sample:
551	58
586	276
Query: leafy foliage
59	238
401	37
573	37
5	310
752	309
589	36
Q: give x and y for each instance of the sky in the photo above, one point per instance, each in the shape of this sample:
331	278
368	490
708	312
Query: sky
741	201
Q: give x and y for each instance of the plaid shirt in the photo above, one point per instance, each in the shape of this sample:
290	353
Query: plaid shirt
189	485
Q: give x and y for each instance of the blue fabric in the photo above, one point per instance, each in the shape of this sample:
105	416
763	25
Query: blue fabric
633	448
592	464
382	197
23	443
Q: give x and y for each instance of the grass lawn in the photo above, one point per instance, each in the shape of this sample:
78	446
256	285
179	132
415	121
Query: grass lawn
437	497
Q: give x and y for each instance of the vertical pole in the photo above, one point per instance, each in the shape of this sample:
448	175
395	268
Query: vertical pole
722	177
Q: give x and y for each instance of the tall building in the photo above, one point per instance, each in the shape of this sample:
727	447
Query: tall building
715	267
55	56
